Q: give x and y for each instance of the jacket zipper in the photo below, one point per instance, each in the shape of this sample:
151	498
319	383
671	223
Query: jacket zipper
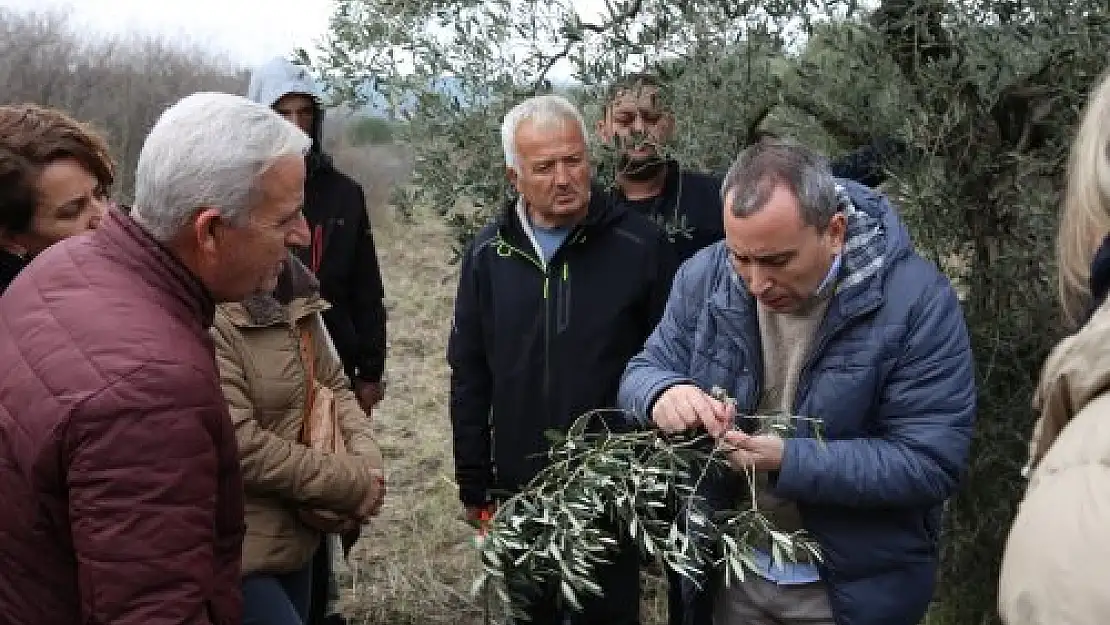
506	249
548	314
819	345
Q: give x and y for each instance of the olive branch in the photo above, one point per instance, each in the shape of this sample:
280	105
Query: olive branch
604	485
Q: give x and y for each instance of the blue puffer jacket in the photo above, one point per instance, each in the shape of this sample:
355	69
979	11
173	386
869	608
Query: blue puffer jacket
891	377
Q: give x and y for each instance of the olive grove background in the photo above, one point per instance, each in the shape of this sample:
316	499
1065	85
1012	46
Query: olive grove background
972	103
977	97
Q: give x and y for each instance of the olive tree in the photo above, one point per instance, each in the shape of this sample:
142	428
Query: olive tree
978	97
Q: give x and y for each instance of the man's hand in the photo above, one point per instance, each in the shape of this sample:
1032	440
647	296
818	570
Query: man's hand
684	406
479	517
762	452
368	394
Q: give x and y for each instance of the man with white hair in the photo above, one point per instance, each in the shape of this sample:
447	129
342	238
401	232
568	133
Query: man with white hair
119	468
554	298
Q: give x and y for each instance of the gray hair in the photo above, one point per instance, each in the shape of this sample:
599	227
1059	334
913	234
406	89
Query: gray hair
763	166
208	151
541	110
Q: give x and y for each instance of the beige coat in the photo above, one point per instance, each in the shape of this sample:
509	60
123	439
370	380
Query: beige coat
1056	565
263	377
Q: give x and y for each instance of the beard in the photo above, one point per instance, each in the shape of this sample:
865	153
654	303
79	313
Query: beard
640	168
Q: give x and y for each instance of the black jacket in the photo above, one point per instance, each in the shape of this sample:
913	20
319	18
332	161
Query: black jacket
10	266
534	347
345	261
689	209
342	253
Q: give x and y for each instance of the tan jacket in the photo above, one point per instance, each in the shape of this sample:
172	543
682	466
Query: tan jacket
1057	559
263	378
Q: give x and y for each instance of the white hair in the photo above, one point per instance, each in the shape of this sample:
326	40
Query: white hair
208	151
541	110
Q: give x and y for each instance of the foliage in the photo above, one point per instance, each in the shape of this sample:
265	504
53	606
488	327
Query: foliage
120	84
982	95
602	488
368	130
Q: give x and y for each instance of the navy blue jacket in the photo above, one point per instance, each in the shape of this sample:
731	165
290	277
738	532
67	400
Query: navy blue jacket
534	345
890	376
689	209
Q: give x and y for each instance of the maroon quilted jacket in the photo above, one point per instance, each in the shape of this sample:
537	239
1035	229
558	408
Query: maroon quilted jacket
120	492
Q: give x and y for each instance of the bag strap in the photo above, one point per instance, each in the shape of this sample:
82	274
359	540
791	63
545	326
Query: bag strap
308	357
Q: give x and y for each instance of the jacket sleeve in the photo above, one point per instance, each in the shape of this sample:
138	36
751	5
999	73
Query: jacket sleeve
272	465
353	422
665	359
367	297
471	389
924	420
143	479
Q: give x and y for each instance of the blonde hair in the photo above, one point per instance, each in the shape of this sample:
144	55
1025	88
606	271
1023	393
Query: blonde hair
1085	217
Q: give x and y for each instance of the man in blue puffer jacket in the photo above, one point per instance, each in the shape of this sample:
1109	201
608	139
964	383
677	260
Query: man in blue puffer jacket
816	305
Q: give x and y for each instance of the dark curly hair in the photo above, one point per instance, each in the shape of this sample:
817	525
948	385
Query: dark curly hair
32	137
635	80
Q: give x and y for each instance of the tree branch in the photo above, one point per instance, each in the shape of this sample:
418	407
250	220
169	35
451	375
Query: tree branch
555	58
630	12
849	130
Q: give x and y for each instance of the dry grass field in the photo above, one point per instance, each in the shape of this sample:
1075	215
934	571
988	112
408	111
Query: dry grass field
414	563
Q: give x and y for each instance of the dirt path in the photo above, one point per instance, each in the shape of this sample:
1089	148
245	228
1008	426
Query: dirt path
414	563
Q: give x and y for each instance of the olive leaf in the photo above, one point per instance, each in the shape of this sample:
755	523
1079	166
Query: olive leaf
606	488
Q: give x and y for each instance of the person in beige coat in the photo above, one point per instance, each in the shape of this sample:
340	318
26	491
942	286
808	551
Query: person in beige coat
1056	565
262	345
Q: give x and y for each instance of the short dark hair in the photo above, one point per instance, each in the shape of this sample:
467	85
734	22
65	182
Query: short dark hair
32	137
774	161
631	81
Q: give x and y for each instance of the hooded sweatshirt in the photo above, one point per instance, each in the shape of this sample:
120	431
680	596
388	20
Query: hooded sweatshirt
342	252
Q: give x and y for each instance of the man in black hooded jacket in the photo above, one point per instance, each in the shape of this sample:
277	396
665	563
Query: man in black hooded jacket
343	257
342	253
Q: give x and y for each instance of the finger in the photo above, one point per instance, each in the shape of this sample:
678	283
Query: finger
675	424
735	439
662	413
666	421
730	413
707	416
741	459
687	409
724	411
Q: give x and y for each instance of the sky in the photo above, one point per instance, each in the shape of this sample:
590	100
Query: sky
247	31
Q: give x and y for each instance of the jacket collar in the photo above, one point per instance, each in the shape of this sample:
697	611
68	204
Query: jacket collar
671	185
155	263
513	227
874	239
296	296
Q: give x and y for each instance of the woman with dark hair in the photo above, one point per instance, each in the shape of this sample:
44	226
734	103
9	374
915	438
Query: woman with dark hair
55	173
